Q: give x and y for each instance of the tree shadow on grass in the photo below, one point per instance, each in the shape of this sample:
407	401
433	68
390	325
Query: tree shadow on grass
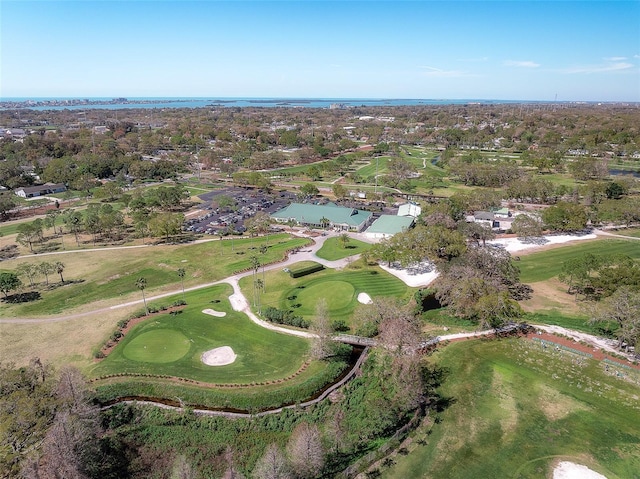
434	377
22	297
9	252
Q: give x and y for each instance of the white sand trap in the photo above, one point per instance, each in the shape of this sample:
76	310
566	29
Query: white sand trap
219	356
364	298
514	245
570	470
213	312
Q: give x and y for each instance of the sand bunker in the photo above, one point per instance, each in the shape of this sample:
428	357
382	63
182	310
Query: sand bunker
569	470
213	312
364	298
219	356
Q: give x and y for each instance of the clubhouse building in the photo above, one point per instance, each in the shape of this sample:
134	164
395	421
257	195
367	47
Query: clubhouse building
324	216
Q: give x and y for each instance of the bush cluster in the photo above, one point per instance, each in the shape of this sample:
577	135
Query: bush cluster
281	316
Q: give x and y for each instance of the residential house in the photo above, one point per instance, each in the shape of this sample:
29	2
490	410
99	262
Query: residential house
40	190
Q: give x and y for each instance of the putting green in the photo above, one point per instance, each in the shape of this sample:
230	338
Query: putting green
337	294
159	346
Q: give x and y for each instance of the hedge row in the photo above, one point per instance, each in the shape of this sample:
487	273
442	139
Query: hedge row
305	271
304	366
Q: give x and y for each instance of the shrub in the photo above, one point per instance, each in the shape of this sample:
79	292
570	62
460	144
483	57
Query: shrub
339	325
123	323
305	271
280	316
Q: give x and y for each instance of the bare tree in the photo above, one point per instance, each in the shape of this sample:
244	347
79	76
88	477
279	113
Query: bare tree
323	344
231	472
182	469
336	430
61	458
72	389
305	451
399	331
272	465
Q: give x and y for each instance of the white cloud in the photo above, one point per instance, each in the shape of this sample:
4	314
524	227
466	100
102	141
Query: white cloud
474	60
615	59
437	72
601	68
521	64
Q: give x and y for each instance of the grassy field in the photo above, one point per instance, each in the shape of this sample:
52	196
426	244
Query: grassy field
512	410
332	249
547	264
106	277
550	302
634	232
339	289
375	166
173	345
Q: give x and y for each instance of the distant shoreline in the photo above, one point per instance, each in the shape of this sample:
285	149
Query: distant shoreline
69	103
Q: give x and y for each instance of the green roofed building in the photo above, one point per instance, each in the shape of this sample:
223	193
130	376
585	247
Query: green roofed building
323	216
388	225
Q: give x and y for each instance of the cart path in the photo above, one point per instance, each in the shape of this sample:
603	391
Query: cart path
308	253
240	303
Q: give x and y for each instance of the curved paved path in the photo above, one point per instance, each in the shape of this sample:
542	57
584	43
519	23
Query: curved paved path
240	303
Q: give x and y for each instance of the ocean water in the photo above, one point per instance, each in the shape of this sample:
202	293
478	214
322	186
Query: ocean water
162	103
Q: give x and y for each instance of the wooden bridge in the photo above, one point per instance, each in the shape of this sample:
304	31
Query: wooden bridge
355	340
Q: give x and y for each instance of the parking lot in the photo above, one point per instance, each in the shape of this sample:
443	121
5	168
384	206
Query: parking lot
228	208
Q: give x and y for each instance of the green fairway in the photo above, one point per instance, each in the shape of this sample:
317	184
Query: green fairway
512	409
338	295
111	274
635	232
158	346
173	345
375	166
332	249
547	264
340	289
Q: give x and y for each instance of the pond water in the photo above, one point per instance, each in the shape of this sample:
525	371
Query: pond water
616	172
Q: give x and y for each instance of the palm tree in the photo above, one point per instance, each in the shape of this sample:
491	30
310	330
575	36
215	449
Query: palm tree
59	268
263	250
255	264
324	222
258	285
343	239
181	273
141	284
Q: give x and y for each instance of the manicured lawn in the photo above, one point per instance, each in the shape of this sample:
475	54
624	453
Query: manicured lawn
511	410
375	166
332	249
547	264
111	274
173	345
339	289
635	232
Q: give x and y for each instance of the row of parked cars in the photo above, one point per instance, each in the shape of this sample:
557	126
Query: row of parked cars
230	219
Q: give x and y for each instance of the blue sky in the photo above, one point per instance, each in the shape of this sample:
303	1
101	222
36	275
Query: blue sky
510	50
